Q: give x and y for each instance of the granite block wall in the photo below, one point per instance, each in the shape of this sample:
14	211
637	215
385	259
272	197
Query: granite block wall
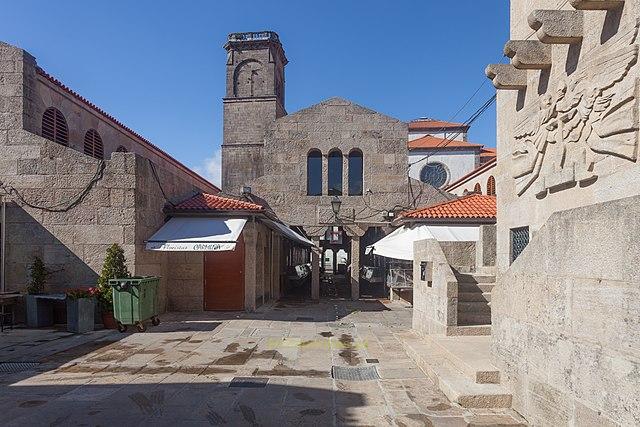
566	319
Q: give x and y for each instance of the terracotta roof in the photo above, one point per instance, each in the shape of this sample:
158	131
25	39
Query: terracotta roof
473	206
211	202
431	124
487	154
429	141
115	121
477	171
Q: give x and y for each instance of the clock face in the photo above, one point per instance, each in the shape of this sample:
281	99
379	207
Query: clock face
249	79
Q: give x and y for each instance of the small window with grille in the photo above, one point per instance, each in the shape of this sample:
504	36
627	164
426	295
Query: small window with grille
54	126
519	241
93	144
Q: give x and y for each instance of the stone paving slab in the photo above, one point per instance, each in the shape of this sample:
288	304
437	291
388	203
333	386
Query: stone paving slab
179	372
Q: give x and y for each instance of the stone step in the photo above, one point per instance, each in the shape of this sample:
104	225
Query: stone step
474	296
475	278
483	270
469	330
475	287
436	362
465	319
480	307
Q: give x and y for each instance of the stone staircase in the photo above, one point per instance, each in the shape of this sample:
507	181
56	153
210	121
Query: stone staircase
460	366
474	302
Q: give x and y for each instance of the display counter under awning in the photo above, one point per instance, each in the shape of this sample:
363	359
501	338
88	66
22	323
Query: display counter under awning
197	234
399	244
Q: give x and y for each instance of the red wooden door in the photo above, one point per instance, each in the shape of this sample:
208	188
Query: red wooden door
224	279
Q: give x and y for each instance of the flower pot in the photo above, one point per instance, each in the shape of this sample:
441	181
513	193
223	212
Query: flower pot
80	315
108	321
39	312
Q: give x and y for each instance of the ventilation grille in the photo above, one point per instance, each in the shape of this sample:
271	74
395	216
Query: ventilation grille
54	126
93	144
365	373
12	367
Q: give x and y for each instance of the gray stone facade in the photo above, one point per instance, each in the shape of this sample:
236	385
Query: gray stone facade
79	204
564	312
267	150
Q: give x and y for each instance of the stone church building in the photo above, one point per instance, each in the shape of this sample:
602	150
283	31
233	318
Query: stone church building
299	163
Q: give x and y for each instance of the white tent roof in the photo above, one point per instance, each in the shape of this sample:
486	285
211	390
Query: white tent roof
200	234
209	234
399	244
289	233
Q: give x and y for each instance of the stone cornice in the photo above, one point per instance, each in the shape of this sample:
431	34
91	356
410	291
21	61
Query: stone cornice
528	54
558	26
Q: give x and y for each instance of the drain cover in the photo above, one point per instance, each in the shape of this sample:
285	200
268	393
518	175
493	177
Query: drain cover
372	360
364	373
11	367
248	382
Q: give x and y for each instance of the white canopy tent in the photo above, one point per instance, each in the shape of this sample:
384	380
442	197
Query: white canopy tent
209	234
399	244
200	234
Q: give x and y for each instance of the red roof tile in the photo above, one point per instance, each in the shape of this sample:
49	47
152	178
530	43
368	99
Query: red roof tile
429	141
431	124
211	202
490	163
473	206
112	119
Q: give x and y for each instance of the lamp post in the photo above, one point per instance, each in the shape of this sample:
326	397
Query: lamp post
335	206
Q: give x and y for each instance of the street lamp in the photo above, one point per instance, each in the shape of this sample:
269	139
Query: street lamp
335	206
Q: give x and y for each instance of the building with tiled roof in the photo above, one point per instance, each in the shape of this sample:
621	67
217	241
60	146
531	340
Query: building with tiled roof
473	208
204	202
480	180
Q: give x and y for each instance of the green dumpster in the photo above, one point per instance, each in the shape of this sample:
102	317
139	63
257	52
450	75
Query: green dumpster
135	301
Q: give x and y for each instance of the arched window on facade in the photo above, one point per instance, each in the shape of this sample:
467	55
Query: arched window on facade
334	177
477	188
355	172
93	144
54	126
491	186
121	149
314	173
434	173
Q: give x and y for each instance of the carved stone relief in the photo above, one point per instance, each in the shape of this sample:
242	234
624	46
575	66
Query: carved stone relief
591	113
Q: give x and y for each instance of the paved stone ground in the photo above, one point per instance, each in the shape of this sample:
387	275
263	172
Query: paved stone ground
180	372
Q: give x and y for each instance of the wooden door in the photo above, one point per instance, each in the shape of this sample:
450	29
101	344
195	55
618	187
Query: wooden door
224	279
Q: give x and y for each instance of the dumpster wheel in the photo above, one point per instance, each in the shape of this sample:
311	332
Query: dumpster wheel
141	327
121	327
155	320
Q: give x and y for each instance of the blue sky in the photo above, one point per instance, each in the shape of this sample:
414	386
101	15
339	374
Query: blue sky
158	66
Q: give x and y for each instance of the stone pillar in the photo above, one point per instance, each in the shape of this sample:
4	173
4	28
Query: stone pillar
315	271
486	246
250	234
355	267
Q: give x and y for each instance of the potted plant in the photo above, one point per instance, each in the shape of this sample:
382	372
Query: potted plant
114	267
38	315
80	310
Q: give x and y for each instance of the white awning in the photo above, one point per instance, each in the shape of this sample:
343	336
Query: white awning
399	244
197	234
289	233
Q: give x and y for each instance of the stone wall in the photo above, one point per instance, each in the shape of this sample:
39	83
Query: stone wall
337	124
566	319
563	314
79	205
435	299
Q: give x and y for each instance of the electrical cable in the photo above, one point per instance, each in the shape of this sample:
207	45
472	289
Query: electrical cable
63	206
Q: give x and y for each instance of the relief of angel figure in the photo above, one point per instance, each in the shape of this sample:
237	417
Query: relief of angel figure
594	111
